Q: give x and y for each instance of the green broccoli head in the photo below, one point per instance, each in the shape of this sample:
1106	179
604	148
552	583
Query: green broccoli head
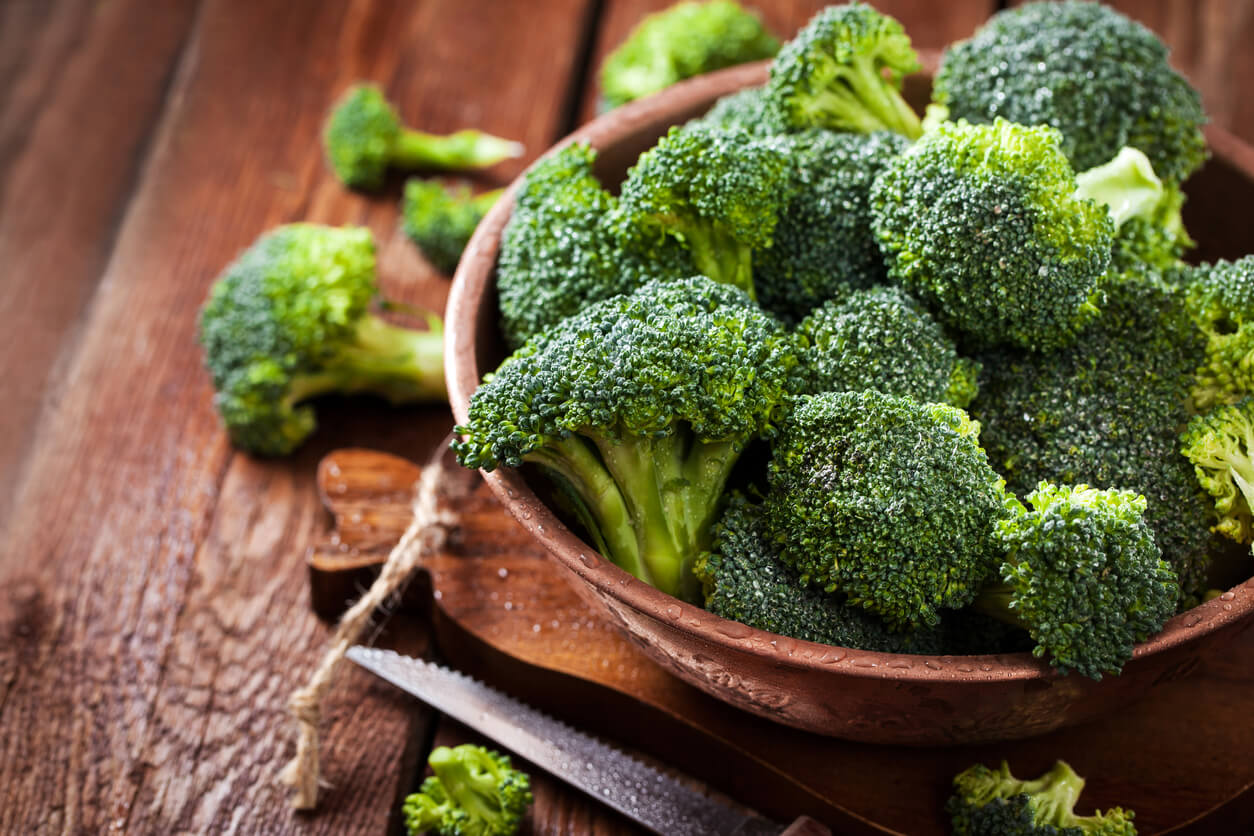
989	802
474	792
562	248
364	136
718	192
1106	412
886	500
1098	77
745	110
1083	576
824	243
1220	298
290	319
440	219
881	339
637	408
843	71
686	39
981	222
1220	445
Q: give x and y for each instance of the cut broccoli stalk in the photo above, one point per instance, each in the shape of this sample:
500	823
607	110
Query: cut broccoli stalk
1220	445
474	792
1126	186
364	136
987	801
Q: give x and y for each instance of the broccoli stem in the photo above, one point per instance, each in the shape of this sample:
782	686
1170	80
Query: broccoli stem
459	150
719	256
995	601
1054	795
1126	186
400	364
859	99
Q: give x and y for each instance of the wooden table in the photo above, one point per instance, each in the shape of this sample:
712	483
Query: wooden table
153	606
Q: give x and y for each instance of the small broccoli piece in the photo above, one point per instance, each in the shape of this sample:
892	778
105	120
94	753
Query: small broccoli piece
744	580
1107	412
474	792
638	407
1098	77
440	220
364	136
990	802
881	339
685	40
981	223
718	192
562	248
745	110
824	243
1083	577
886	500
1220	298
1220	445
843	71
290	320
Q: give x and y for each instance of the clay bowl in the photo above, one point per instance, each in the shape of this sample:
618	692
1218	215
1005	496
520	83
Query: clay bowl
853	694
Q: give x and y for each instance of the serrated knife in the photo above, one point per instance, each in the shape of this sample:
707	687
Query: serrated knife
640	792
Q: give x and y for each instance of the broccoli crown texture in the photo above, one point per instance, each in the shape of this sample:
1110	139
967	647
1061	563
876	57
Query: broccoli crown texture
886	500
440	220
988	802
719	192
843	71
638	407
685	40
1098	77
561	249
824	242
1083	577
981	222
881	339
1220	298
1107	412
745	110
474	792
1220	445
290	319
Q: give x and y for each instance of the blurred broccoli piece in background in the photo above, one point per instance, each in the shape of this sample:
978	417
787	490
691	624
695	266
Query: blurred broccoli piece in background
439	219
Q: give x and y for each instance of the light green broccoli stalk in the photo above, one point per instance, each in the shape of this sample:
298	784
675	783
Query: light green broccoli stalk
1083	577
440	220
989	802
364	137
290	319
474	792
685	40
844	72
1220	444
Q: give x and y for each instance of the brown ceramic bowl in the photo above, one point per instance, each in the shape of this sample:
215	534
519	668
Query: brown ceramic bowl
854	694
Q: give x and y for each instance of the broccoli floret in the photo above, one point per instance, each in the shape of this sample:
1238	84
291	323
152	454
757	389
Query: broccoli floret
981	222
290	320
844	72
440	219
1083	577
744	580
824	242
1098	77
1149	231
881	339
1107	412
364	136
474	792
718	192
745	110
1220	298
1220	445
886	500
990	802
685	40
639	407
562	248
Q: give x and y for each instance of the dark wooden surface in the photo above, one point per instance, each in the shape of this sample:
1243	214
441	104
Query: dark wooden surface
154	612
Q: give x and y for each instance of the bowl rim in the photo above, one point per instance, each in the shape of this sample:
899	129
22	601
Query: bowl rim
472	281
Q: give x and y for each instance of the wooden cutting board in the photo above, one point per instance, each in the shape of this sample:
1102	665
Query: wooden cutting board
504	611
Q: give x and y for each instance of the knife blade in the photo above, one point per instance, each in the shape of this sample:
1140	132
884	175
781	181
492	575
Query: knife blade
635	789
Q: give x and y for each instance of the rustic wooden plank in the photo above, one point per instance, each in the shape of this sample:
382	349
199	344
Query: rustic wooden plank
929	24
70	151
153	617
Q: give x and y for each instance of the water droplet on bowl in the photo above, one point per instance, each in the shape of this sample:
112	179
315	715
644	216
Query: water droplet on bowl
674	612
1228	596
